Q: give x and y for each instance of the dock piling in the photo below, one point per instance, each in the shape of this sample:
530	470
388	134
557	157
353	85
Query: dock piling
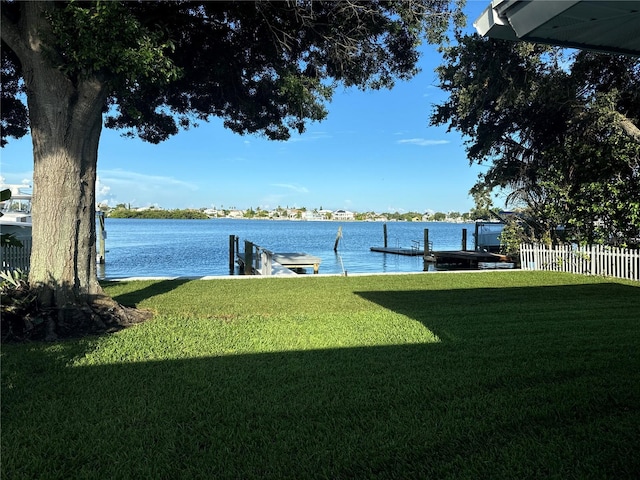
232	253
464	239
426	242
248	257
384	231
338	237
102	235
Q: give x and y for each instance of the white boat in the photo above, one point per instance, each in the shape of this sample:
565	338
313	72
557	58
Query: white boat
16	212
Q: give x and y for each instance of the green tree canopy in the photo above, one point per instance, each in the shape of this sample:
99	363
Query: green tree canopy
559	131
152	68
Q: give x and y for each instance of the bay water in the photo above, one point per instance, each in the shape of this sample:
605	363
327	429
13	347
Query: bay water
196	248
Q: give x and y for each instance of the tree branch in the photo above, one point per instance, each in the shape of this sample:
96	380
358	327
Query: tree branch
628	127
11	36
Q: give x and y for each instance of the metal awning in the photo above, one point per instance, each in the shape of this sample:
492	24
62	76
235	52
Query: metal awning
604	25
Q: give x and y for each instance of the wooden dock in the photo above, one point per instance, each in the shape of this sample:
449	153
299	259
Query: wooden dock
468	258
456	258
257	260
281	262
409	252
295	261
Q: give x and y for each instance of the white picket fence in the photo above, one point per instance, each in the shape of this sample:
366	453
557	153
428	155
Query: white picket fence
13	258
589	260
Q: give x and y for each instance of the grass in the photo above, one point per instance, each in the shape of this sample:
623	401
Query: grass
466	375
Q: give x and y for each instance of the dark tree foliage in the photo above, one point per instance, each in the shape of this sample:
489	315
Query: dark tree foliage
264	67
14	121
558	130
151	68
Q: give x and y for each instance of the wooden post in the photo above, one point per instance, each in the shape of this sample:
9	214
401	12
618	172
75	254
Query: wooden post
338	237
102	235
464	239
232	253
267	262
475	237
256	259
384	229
426	243
248	257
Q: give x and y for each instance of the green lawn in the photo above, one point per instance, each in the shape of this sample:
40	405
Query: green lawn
501	375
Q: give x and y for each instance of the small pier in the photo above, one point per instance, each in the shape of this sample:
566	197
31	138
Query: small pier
457	259
467	259
257	260
408	252
418	248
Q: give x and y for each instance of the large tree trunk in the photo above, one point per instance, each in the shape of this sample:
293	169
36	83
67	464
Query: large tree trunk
65	129
65	117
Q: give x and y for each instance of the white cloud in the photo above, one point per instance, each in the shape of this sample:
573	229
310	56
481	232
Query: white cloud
423	142
123	186
309	137
143	181
24	179
429	87
391	209
101	189
291	186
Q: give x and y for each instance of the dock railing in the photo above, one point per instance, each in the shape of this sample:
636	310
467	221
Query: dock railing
256	260
588	260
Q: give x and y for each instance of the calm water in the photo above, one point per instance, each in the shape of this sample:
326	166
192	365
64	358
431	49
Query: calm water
152	248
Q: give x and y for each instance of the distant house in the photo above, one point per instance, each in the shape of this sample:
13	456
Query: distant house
313	215
236	214
294	214
213	212
343	215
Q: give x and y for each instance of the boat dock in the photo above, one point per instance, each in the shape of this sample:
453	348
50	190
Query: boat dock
461	259
407	252
470	259
281	263
256	260
457	258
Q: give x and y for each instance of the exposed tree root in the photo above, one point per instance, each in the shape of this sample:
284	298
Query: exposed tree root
23	319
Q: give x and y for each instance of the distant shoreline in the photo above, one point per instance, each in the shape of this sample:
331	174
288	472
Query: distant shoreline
286	215
294	219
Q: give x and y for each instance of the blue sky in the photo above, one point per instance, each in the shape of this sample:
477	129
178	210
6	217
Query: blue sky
374	152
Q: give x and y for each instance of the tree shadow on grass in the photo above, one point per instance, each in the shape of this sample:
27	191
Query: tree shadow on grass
144	290
496	398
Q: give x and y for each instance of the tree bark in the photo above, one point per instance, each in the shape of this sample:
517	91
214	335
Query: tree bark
65	135
65	115
632	131
65	119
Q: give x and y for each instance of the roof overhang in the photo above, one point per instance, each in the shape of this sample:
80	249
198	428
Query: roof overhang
603	25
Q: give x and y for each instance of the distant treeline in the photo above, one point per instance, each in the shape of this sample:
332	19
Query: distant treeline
177	214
